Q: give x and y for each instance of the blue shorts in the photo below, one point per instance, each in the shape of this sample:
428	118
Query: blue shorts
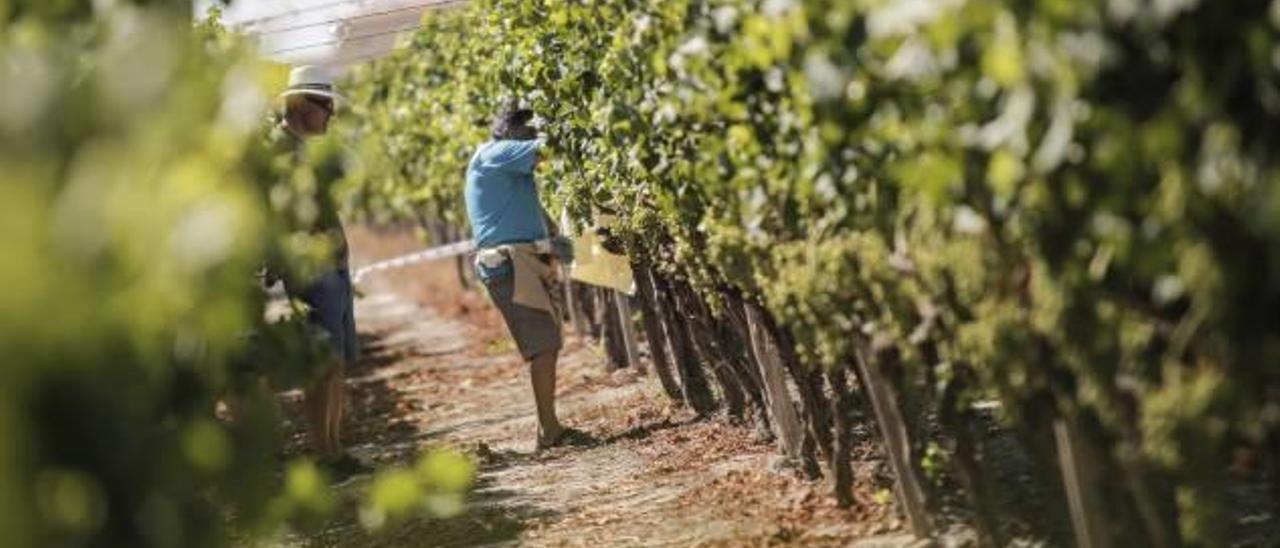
331	300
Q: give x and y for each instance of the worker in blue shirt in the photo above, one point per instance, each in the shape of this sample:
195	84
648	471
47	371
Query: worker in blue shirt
518	246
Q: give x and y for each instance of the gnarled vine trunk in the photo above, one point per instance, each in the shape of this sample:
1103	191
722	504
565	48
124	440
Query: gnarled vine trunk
693	383
655	332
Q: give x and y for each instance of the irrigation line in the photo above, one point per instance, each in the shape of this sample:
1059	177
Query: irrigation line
430	254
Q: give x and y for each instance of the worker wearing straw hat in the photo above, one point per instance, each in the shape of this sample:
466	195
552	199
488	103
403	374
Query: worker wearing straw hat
309	101
309	104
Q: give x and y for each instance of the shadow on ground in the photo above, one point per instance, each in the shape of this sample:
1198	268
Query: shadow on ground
379	415
490	518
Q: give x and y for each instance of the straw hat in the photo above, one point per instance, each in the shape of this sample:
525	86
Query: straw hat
312	80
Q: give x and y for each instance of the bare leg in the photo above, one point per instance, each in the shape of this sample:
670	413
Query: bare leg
543	373
313	406
337	406
319	411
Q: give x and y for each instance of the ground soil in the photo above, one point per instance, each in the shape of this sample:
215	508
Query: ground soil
437	369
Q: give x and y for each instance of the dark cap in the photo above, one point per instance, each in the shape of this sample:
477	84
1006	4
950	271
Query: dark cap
512	121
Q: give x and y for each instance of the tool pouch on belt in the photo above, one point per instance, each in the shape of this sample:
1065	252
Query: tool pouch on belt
537	283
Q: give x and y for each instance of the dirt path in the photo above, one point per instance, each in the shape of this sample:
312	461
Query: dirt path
437	370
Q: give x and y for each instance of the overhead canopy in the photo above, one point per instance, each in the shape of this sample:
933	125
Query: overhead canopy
334	33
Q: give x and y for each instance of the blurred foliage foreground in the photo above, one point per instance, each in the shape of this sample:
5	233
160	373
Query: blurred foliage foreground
138	201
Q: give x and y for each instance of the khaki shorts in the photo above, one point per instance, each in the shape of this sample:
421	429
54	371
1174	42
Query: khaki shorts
535	331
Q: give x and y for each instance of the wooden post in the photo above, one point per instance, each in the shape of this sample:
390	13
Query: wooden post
1078	479
781	411
897	441
611	329
632	349
571	303
584	297
572	298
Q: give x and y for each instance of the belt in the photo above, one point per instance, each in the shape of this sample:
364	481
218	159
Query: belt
498	255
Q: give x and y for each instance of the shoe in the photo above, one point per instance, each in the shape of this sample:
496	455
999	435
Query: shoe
568	436
344	468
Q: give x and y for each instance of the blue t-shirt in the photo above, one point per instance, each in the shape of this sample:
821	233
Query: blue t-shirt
502	199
